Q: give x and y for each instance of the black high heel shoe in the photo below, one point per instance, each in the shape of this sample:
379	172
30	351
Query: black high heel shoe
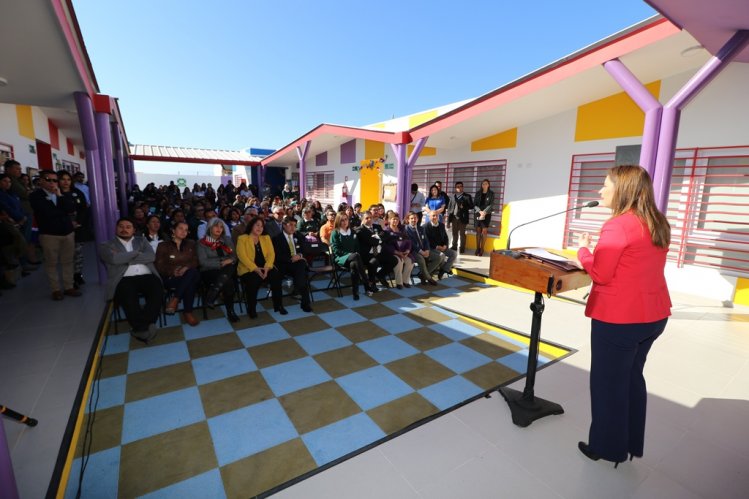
280	310
585	449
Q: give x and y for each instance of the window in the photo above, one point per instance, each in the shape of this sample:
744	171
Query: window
471	174
320	187
6	153
708	206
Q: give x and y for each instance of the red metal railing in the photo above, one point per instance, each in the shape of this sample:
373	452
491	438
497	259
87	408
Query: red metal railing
471	174
708	205
320	187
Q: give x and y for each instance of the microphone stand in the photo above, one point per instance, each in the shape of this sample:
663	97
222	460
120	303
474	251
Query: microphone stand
525	407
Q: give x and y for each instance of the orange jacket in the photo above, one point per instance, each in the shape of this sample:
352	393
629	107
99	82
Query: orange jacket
627	272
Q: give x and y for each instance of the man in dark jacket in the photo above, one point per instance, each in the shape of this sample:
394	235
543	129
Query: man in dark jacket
437	237
460	204
369	236
56	233
289	249
421	252
131	273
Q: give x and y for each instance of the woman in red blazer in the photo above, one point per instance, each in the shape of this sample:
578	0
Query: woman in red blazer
629	306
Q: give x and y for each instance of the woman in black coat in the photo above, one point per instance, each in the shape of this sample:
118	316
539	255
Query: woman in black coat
483	202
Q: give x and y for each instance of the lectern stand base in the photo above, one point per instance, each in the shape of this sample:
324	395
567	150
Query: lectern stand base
526	410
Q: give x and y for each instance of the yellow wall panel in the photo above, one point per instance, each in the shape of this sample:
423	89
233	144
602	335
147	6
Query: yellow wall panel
418	119
374	149
501	140
25	122
612	117
742	291
426	151
370	187
379	125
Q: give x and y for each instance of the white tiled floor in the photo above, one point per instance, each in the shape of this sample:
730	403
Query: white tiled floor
44	346
697	444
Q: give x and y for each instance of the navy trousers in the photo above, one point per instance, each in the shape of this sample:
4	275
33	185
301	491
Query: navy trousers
618	396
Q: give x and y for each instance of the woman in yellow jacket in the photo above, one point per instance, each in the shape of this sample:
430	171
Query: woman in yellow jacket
256	265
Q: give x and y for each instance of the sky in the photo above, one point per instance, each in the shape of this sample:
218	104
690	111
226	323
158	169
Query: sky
231	74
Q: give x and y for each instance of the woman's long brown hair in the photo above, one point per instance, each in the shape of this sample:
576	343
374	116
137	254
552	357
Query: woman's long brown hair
633	191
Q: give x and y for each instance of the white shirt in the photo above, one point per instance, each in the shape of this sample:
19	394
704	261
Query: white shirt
135	268
418	200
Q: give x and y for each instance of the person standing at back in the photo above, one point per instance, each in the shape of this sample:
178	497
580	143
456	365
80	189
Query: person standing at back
460	204
418	200
56	234
629	305
483	203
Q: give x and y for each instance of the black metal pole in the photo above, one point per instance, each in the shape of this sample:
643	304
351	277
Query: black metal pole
525	406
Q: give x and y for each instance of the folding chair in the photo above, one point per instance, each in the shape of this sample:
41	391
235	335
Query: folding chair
323	264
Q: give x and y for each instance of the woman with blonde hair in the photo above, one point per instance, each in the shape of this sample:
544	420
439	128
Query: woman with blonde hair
629	305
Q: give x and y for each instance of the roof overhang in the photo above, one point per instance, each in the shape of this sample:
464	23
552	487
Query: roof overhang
45	61
327	137
711	23
651	50
170	154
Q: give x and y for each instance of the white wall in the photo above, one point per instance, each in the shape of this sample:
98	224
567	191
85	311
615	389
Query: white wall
9	135
143	179
538	169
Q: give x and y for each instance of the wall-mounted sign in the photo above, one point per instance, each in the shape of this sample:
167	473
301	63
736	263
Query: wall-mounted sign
32	149
181	182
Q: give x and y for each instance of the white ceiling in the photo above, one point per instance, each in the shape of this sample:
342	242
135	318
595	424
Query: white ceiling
37	63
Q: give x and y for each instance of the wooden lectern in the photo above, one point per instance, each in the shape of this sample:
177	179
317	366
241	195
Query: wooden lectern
543	276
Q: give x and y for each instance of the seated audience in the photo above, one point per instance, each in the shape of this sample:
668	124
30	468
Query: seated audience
218	259
132	274
153	233
437	237
397	243
427	259
256	266
345	250
177	263
289	248
370	249
327	229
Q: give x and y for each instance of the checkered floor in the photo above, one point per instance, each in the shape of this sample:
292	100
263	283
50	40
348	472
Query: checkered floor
222	410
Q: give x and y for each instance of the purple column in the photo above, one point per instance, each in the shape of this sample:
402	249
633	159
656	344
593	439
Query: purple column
131	172
8	488
412	160
402	198
647	103
664	163
119	159
301	153
404	173
103	134
96	188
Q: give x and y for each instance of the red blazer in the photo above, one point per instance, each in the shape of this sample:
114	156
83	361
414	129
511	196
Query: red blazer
627	273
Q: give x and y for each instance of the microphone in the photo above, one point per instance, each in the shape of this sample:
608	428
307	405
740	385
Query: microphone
590	204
